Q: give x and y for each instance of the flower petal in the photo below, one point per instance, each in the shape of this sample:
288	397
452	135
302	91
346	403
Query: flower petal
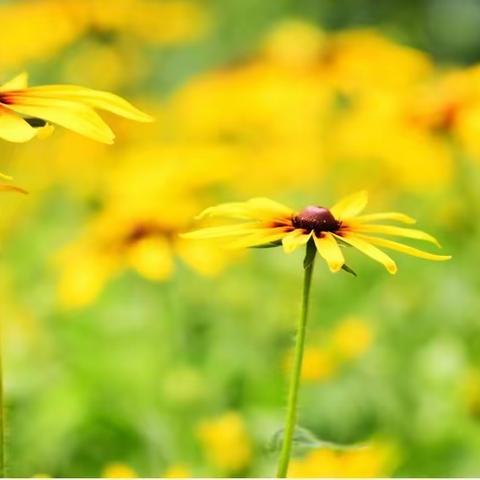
261	238
14	128
400	247
395	231
256	209
94	98
293	240
71	115
224	231
373	217
330	251
371	251
350	206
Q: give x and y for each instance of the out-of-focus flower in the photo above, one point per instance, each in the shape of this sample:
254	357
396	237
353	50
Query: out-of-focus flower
110	21
266	222
319	364
119	470
23	108
363	59
226	442
141	231
351	338
375	460
177	471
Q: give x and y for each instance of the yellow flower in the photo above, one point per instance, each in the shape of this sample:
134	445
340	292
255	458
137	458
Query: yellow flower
374	460
118	470
177	471
24	108
352	338
226	442
267	223
318	364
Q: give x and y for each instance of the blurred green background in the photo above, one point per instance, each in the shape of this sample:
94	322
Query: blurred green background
129	352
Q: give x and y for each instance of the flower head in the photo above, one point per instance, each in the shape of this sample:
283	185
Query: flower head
267	223
23	110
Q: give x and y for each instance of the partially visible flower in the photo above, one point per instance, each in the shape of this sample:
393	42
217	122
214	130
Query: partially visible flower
267	223
375	460
226	442
177	471
24	109
119	470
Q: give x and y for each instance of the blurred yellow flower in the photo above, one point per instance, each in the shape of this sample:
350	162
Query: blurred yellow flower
375	460
23	108
318	364
177	471
268	223
352	338
118	470
225	442
141	231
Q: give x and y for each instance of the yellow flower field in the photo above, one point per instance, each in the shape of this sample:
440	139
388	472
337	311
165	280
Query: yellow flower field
162	149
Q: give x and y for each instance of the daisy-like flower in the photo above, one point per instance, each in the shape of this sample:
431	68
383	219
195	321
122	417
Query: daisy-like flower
268	223
24	111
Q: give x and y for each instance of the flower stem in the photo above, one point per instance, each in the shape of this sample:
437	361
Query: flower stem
291	417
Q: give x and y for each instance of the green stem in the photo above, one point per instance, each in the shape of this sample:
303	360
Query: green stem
291	417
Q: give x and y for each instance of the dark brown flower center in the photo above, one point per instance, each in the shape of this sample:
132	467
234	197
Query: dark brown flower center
315	218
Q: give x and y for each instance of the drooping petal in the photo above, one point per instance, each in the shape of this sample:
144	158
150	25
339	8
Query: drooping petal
17	83
330	251
400	247
395	216
293	240
13	128
395	231
94	98
350	206
371	251
71	115
223	231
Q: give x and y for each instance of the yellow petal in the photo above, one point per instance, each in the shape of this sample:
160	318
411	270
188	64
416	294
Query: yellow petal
5	187
371	251
294	239
13	128
94	98
223	231
256	209
396	231
71	115
350	206
330	251
255	239
395	216
399	247
17	83
152	258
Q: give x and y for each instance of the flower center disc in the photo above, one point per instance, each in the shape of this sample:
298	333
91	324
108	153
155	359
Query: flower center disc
315	218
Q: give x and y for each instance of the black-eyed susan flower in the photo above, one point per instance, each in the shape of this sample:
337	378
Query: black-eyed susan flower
266	222
23	110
